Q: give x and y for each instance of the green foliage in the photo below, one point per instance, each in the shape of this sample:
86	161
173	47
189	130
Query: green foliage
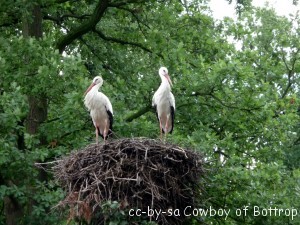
236	85
116	216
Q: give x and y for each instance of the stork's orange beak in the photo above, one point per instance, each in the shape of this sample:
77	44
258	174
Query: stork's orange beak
89	88
169	79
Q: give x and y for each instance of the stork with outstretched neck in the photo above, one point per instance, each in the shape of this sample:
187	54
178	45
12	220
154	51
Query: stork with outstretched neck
100	109
164	103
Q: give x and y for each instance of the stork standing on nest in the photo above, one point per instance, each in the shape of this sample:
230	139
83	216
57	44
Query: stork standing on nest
164	103
100	109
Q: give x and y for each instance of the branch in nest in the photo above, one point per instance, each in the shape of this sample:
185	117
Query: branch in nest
140	172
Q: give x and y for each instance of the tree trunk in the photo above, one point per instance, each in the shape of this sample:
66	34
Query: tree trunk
32	27
37	113
12	210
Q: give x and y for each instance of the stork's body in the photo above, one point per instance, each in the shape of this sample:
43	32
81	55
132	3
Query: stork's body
100	109
164	103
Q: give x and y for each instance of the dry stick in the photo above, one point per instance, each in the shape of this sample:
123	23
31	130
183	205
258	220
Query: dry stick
105	172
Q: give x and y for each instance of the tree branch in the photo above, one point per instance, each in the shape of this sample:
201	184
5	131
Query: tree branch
139	113
61	1
90	48
121	3
231	106
133	12
51	3
122	42
85	27
291	72
15	20
59	20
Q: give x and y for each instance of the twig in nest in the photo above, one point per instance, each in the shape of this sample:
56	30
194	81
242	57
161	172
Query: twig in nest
141	172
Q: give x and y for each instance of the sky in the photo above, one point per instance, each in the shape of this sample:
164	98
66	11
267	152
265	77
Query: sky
221	8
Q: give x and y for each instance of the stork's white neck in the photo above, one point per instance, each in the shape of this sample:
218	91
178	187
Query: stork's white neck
164	84
97	87
164	79
94	90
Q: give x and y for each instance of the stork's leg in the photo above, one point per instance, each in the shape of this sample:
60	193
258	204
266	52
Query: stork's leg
96	135
105	132
160	129
166	129
166	126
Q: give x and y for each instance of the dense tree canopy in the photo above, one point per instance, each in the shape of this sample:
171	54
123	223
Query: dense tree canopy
236	85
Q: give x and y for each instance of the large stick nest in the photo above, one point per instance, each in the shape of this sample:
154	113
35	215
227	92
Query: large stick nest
137	173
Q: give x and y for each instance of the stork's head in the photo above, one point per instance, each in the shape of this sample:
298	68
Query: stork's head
164	74
96	81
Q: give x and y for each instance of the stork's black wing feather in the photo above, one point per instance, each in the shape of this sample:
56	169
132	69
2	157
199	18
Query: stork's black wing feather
111	120
172	118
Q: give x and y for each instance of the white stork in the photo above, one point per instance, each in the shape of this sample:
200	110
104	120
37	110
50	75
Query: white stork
164	103
100	109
